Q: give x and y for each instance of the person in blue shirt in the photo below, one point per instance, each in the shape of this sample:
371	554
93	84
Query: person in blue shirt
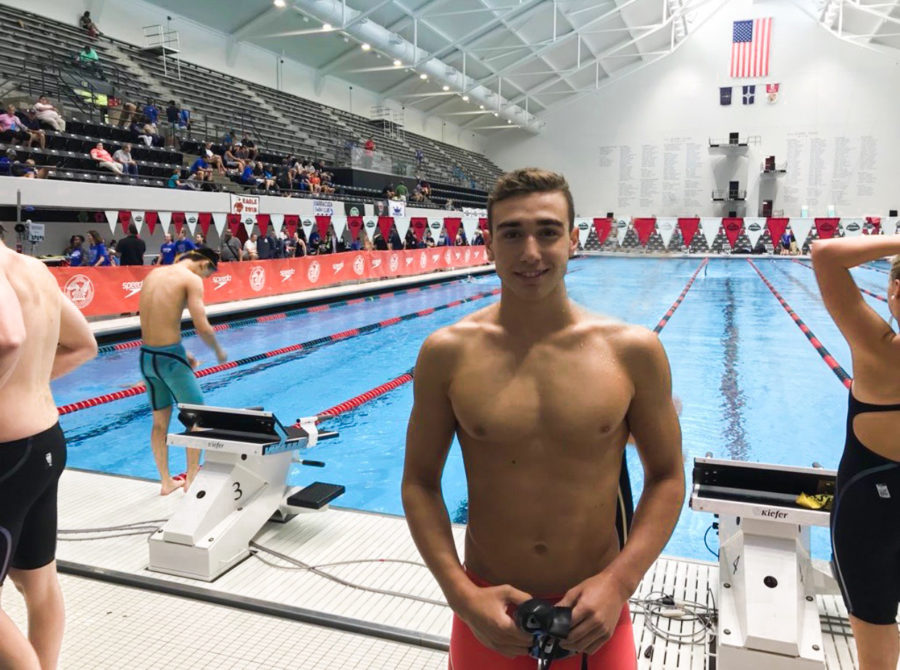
151	111
167	251
99	254
76	251
184	243
200	165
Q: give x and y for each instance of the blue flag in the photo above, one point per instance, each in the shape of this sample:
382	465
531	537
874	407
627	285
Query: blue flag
749	94
725	95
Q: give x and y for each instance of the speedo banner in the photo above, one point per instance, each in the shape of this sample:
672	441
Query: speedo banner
110	291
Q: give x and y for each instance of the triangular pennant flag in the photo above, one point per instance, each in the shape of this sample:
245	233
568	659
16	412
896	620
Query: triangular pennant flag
852	227
733	226
776	227
340	225
204	219
826	228
584	230
754	227
688	227
322	224
644	228
452	225
291	221
602	228
873	225
419	225
666	228
355	224
621	230
435	226
165	219
151	218
277	221
125	220
801	227
219	221
889	225
470	225
178	221
384	226
112	218
234	223
709	226
138	218
262	220
402	224
483	222
307	224
191	219
249	224
370	226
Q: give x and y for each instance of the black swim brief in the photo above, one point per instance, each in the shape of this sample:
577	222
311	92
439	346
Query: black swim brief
29	473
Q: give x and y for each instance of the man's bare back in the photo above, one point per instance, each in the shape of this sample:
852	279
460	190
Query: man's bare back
53	326
164	296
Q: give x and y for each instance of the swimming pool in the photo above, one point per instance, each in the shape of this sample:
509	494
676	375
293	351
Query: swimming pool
752	386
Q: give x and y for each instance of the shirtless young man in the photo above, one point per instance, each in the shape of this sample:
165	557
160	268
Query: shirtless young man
167	368
542	395
42	336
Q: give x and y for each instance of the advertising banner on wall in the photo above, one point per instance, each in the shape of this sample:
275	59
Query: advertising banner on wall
244	205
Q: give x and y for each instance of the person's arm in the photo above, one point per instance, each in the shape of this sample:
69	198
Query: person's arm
198	315
76	342
12	329
429	434
654	424
832	259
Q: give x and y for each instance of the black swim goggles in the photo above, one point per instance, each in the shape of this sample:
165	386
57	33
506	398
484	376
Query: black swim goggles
548	625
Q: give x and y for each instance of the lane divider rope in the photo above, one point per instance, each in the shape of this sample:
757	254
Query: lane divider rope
830	361
137	389
862	290
668	315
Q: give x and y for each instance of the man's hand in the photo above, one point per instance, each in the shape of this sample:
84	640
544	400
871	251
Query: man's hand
486	614
596	606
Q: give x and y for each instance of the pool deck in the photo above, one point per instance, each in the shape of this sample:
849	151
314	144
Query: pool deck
120	615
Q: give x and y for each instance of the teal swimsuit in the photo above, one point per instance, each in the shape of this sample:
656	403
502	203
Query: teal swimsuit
169	376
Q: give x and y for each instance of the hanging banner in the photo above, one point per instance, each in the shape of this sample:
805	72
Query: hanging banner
396	208
644	228
666	228
583	226
151	218
178	221
384	226
190	218
244	206
873	225
801	227
776	227
277	221
323	208
112	218
219	221
340	225
452	225
826	228
355	224
483	222
204	219
621	230
370	226
469	226
889	225
709	226
435	226
307	224
262	220
402	224
165	219
602	228
248	223
688	228
137	218
852	227
125	220
754	227
291	221
322	225
234	223
733	227
419	225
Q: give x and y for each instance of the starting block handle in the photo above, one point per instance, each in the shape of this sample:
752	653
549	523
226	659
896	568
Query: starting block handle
308	424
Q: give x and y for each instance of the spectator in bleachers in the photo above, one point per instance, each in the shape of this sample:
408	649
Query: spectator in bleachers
33	124
369	146
166	251
420	158
129	116
315	183
147	132
199	239
104	160
113	248
250	147
213	158
184	244
87	59
312	245
131	249
123	158
87	24
265	246
151	112
394	241
184	119
174	180
29	170
201	181
401	192
47	113
448	204
74	253
327	184
99	255
250	253
200	165
231	161
172	113
478	240
247	177
7	161
10	122
416	196
229	139
230	247
296	245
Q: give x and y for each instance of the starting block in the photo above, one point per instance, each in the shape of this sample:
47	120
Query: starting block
241	486
768	616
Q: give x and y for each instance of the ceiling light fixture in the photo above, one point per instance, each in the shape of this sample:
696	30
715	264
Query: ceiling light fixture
279	3
465	98
365	46
397	62
480	106
423	76
445	87
326	26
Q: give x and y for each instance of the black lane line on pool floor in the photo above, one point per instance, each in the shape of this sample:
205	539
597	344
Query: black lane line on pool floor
733	399
830	361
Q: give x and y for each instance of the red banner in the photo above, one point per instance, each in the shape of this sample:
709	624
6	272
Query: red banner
204	219
644	229
113	290
826	228
178	221
291	221
419	224
354	223
151	219
483	223
602	228
776	227
384	226
322	225
263	220
234	223
733	228
875	222
452	227
688	228
125	220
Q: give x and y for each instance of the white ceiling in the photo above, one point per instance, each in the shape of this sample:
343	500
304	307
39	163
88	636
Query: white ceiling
873	24
514	57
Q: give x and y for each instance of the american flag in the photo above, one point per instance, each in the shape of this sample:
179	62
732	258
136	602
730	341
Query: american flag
750	42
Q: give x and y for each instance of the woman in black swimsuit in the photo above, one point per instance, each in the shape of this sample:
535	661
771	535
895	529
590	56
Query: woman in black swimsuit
865	519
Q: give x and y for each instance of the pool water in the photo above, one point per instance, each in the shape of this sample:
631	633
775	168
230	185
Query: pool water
751	385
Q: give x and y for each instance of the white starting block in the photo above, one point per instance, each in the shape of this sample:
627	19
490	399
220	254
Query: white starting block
241	485
768	616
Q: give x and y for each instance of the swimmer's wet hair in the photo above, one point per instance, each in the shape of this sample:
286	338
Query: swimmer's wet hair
529	180
895	267
201	254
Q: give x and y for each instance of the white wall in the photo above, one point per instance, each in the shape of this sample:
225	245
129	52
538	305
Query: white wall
124	20
834	121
